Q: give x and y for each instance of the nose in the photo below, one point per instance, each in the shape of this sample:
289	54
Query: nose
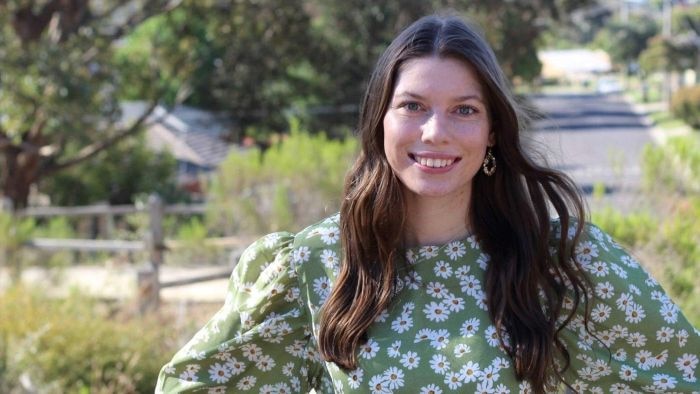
435	130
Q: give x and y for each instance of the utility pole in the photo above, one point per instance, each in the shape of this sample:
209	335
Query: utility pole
666	32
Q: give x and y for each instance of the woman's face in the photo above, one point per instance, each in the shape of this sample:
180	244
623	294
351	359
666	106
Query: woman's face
436	129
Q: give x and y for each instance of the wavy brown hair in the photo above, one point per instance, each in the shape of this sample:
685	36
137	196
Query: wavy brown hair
509	214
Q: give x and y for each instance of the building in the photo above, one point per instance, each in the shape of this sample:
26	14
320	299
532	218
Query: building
195	137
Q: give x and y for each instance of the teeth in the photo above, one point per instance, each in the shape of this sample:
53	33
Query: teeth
434	163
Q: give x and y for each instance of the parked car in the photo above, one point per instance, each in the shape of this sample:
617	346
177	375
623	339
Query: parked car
609	85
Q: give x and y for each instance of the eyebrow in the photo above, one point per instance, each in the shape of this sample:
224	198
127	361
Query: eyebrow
459	98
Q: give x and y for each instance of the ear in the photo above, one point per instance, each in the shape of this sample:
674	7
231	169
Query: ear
492	139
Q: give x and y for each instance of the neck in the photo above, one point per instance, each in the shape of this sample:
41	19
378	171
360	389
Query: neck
435	221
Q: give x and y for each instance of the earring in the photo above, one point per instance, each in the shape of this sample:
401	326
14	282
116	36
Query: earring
489	164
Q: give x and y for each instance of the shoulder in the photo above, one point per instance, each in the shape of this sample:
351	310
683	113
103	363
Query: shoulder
589	233
327	231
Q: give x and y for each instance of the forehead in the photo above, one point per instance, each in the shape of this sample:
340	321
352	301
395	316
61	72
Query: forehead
437	73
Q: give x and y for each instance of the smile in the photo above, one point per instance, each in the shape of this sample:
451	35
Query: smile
432	161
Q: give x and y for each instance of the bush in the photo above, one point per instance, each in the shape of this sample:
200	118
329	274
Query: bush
73	346
631	230
685	104
288	186
674	166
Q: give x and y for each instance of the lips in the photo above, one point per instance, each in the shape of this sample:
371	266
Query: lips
433	162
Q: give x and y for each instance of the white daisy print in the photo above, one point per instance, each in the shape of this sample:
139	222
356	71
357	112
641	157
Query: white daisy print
454	303
442	269
379	385
402	323
219	373
246	383
492	336
605	290
461	349
431	389
369	349
462	272
664	381
394	377
436	312
329	235
436	289
470	372
330	259
410	360
453	380
635	314
455	250
439	339
428	252
470	327
439	364
470	285
394	350
628	373
355	378
600	313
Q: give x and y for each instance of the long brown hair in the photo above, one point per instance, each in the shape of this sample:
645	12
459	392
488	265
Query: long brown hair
509	214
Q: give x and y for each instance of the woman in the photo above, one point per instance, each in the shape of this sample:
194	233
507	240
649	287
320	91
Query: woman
511	299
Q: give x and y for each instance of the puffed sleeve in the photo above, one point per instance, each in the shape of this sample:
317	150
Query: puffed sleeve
260	340
639	340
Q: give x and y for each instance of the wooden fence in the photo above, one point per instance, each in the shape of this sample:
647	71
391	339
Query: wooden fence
154	243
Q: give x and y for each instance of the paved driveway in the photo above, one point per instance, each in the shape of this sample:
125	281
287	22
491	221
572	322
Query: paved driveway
596	139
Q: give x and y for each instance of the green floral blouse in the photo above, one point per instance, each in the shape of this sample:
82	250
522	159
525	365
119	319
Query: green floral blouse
436	337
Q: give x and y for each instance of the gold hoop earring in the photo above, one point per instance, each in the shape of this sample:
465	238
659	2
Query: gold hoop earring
489	164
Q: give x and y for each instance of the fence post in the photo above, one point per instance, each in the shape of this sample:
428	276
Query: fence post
149	278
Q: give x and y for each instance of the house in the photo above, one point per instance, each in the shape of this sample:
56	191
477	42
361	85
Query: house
574	65
195	138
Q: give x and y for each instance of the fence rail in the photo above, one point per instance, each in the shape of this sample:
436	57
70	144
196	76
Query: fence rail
154	242
108	210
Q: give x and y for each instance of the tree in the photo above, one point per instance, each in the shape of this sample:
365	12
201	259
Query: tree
119	174
59	85
626	41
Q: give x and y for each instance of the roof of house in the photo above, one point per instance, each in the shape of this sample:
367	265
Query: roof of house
189	134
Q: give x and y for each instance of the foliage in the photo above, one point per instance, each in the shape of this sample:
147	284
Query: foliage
675	166
242	57
73	346
13	233
663	54
633	229
625	41
117	176
194	250
685	104
59	85
293	183
670	239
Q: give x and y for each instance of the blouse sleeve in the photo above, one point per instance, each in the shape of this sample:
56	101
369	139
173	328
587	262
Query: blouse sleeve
259	340
639	339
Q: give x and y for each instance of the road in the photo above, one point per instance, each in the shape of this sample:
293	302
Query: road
597	140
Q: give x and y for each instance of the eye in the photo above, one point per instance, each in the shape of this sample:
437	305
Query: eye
412	106
465	110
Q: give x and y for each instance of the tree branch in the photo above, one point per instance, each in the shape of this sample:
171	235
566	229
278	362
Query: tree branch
93	149
136	18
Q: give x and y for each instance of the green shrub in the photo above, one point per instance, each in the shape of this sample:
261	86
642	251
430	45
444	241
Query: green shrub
685	104
675	166
633	229
295	182
13	233
73	346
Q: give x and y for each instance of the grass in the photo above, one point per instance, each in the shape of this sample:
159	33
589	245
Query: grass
666	120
